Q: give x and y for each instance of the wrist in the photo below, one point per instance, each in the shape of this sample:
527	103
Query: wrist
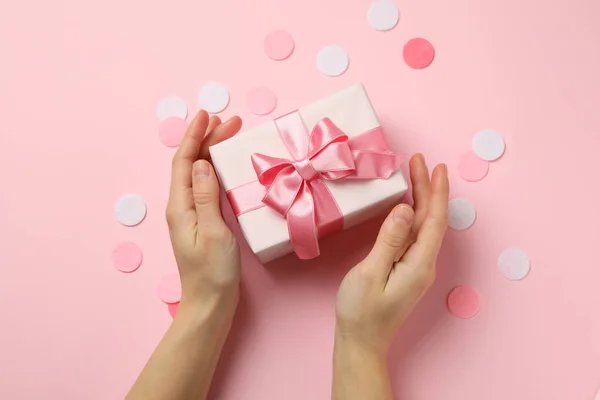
351	346
211	310
206	297
362	338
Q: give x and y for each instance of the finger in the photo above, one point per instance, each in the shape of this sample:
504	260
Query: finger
213	122
205	192
392	239
429	239
180	197
222	132
419	177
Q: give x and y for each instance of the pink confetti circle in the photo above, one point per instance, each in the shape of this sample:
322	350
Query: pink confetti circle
127	257
261	100
279	45
171	131
463	302
418	53
472	168
173	307
169	289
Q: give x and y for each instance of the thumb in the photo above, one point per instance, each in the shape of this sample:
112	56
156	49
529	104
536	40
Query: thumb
393	238
205	189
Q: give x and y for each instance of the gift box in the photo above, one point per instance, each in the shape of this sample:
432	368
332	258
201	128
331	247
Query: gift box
309	174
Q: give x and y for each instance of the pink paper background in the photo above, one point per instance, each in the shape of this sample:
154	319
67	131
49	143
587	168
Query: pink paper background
79	85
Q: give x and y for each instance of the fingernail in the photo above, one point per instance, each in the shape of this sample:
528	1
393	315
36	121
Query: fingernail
201	170
403	215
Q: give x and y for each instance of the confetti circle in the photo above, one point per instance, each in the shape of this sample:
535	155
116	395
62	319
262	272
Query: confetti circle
130	210
261	100
514	264
488	145
332	60
171	106
418	53
213	97
279	45
461	214
127	257
463	302
171	131
472	168
169	289
383	15
173	307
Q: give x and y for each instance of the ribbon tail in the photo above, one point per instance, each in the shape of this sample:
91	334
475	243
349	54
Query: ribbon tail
328	214
302	225
374	140
373	156
371	165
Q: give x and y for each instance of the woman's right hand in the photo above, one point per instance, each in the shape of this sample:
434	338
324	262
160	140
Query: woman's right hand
379	293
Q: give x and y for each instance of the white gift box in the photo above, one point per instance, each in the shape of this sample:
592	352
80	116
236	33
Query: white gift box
265	230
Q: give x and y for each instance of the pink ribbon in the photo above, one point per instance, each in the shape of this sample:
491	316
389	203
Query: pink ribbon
296	188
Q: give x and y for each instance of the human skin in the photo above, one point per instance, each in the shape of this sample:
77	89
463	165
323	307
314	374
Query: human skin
379	293
374	299
208	259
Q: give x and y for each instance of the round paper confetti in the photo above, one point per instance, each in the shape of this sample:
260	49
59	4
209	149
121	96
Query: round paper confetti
171	106
173	307
332	60
171	131
213	97
261	100
130	210
127	257
472	168
383	15
463	302
514	264
461	214
418	53
279	45
488	145
169	289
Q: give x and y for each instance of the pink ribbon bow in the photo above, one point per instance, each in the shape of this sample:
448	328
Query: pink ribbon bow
296	188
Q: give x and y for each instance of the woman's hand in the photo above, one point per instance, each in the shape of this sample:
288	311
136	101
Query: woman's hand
379	293
208	258
206	251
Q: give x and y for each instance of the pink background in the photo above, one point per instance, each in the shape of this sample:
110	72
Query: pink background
79	85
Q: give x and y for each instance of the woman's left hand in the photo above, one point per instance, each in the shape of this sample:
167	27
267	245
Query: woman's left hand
206	251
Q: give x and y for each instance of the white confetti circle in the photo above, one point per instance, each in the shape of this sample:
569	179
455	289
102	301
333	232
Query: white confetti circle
488	145
461	214
332	60
383	15
514	264
130	210
213	97
171	106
